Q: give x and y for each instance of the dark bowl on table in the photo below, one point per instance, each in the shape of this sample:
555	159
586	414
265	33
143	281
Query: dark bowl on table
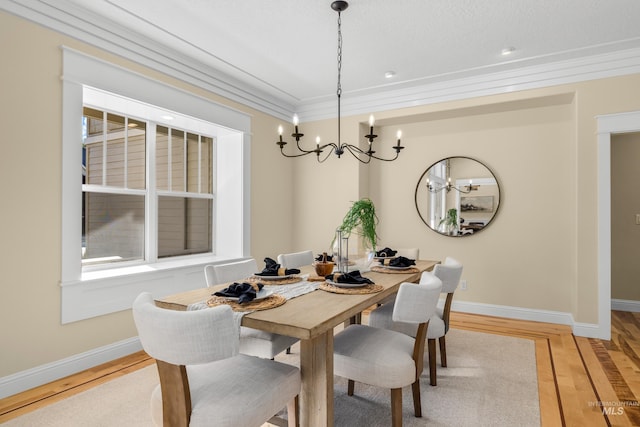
323	268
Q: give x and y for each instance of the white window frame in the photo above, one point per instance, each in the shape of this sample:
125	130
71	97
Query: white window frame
86	294
154	116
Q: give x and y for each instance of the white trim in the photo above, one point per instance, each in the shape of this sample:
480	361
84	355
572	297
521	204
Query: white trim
557	317
109	294
604	233
84	296
34	377
513	312
66	18
625	305
432	91
608	125
587	330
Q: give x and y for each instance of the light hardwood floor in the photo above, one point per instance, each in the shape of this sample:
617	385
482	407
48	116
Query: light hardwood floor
581	381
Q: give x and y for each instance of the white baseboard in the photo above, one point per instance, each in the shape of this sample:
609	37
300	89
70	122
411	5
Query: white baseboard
625	305
579	329
43	374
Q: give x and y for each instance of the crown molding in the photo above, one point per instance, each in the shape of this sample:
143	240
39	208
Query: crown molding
64	17
593	67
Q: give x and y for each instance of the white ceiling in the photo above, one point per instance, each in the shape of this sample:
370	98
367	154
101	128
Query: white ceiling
287	49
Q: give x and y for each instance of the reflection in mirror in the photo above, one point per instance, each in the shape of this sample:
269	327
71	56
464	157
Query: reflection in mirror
457	196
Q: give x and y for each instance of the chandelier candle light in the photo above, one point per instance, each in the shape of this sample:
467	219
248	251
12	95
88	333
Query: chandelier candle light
339	149
466	189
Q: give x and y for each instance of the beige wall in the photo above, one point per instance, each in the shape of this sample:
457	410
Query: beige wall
539	253
625	205
30	180
541	250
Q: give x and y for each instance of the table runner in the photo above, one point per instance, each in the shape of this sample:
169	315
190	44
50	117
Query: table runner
288	291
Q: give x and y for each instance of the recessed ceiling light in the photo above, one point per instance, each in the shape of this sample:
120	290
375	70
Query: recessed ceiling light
167	117
508	50
389	74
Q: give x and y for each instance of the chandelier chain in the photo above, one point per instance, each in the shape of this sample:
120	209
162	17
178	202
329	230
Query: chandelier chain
339	90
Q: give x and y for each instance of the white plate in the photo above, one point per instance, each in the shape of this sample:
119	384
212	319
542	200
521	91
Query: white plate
347	285
260	295
381	258
288	276
391	267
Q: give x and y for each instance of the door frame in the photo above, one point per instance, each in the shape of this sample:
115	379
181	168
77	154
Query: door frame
608	125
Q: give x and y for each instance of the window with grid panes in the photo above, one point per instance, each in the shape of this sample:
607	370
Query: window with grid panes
117	199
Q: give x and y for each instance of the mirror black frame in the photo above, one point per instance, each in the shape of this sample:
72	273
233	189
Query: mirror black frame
495	211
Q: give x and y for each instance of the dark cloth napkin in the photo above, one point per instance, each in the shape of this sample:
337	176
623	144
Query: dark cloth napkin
350	277
243	291
402	262
329	258
386	252
272	268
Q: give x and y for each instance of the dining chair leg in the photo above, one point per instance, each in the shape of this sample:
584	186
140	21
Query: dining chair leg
432	361
396	407
350	387
443	352
293	412
417	404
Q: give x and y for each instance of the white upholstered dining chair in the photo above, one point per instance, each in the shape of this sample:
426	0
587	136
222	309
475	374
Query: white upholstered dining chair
209	275
449	272
295	259
233	271
390	359
253	342
411	253
204	381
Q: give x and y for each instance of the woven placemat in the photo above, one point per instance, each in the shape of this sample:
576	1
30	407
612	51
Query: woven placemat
287	281
367	289
381	269
272	301
315	279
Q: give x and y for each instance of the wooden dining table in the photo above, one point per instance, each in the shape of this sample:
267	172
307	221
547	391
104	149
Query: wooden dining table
312	318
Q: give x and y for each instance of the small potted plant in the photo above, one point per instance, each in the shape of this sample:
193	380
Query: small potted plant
449	224
361	220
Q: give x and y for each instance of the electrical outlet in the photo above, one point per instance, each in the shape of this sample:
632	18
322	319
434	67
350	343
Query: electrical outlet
637	219
463	285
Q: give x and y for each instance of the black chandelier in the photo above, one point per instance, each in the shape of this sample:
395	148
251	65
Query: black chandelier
340	148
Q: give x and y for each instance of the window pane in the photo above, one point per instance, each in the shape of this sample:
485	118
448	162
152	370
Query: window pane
93	159
193	153
93	122
136	146
184	226
177	160
206	162
115	150
92	146
114	228
162	158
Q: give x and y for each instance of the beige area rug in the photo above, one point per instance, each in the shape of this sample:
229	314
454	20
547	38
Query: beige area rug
490	381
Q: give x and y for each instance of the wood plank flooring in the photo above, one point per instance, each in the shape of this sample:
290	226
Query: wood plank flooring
581	381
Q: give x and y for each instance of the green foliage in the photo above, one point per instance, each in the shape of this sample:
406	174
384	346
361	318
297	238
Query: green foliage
361	219
451	219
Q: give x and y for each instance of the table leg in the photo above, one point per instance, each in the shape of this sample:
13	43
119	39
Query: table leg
316	366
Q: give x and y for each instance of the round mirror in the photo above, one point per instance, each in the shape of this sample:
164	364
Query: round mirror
457	196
